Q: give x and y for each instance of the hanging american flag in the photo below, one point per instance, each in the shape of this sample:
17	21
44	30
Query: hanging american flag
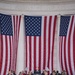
9	35
67	44
40	36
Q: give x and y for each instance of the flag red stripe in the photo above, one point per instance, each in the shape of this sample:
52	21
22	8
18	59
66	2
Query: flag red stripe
7	53
6	58
19	25
34	52
45	21
74	47
39	53
1	52
16	28
10	53
30	52
14	25
53	41
16	44
26	51
61	52
50	20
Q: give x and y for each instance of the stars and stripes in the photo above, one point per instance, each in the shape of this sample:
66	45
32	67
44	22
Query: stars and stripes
67	44
40	36
9	34
40	40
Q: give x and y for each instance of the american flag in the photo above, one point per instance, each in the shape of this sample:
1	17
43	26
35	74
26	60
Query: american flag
9	35
67	44
40	39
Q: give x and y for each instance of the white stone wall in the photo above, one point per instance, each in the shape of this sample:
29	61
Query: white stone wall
36	8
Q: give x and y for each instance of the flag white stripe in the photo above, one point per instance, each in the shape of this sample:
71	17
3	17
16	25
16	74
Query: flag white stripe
28	53
47	42
8	62
11	53
17	27
60	50
32	46
51	39
4	55
37	47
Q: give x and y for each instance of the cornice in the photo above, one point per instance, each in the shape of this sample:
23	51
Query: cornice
55	2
